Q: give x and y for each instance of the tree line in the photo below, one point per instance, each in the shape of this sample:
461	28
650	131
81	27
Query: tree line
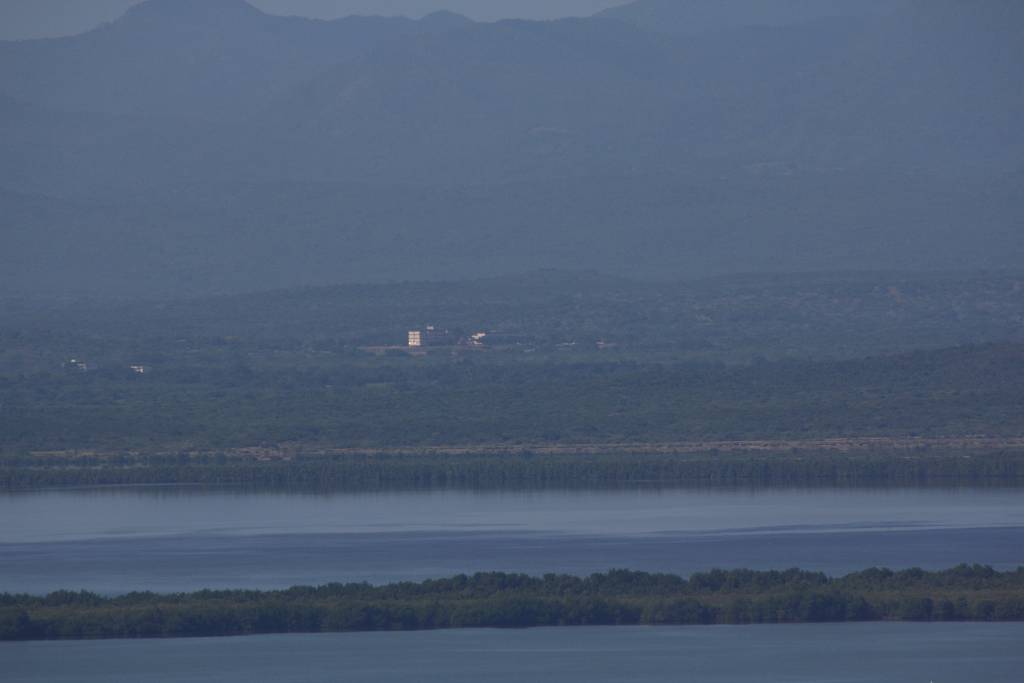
520	470
620	597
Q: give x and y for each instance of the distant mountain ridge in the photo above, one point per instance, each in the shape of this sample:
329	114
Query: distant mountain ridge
191	11
697	16
198	58
206	146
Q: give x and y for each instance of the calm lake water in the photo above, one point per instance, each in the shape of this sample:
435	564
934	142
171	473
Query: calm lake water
834	653
119	540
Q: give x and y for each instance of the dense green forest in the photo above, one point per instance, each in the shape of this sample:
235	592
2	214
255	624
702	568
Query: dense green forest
570	360
965	593
222	401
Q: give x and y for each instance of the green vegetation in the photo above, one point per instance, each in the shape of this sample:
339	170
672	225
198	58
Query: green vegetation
278	389
521	470
419	402
734	320
965	593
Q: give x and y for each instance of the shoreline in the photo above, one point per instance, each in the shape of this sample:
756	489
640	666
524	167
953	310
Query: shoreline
990	462
514	601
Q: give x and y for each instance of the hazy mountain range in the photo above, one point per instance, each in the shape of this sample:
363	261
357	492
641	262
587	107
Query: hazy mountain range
203	146
696	16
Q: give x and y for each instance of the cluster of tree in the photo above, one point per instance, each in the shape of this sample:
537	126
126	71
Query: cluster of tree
522	470
950	392
517	601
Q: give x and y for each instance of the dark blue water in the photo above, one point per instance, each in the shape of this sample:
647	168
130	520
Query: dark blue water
279	561
835	653
121	540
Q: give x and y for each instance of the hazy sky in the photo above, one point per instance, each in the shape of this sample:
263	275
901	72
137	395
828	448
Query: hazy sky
42	18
